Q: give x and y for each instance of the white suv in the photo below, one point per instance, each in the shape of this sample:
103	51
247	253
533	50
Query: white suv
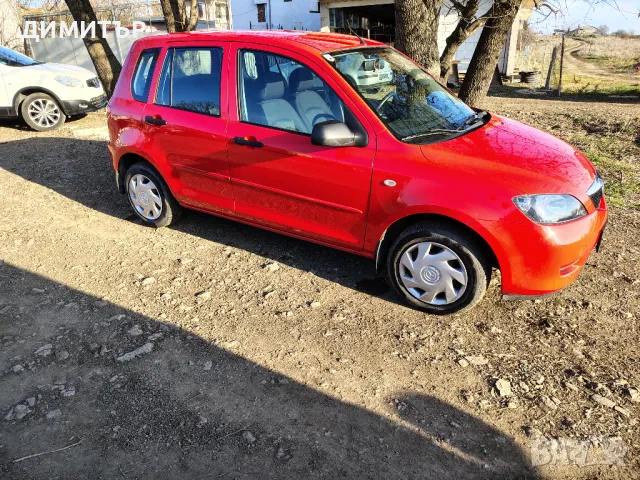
44	94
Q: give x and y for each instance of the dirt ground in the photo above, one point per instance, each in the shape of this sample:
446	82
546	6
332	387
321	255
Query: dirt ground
217	350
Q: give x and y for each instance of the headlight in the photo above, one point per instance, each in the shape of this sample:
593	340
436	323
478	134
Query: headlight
550	209
68	81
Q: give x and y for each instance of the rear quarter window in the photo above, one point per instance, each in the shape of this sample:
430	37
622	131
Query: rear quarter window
142	75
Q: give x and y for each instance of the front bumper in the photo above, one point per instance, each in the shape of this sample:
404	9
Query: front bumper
78	107
543	259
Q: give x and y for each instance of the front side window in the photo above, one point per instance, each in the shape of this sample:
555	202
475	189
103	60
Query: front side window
408	100
141	81
12	58
279	92
190	80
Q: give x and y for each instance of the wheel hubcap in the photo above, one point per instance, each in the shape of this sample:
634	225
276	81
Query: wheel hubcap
432	273
145	197
44	113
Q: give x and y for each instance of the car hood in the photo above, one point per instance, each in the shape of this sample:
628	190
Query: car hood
517	155
64	69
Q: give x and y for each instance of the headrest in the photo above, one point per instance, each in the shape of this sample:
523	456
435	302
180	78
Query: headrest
302	79
270	86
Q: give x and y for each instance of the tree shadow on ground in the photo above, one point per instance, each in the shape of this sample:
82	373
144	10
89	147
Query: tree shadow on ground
81	170
189	408
514	93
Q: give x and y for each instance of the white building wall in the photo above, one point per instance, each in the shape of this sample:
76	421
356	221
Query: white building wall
294	14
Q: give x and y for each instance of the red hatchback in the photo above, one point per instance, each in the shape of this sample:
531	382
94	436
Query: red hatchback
350	144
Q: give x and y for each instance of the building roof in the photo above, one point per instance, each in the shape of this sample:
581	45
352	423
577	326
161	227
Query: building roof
320	41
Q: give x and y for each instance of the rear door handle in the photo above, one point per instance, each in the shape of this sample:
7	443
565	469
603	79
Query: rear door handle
154	120
248	143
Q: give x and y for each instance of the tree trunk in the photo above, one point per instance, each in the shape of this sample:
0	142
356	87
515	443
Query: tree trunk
417	31
483	63
193	18
107	65
466	26
168	14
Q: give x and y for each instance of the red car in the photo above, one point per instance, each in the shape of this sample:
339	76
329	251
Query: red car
265	128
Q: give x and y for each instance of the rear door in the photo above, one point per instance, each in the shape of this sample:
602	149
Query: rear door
187	118
279	178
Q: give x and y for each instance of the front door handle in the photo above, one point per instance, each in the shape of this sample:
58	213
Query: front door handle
248	142
154	120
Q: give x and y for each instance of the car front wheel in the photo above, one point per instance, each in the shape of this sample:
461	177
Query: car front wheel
42	112
438	268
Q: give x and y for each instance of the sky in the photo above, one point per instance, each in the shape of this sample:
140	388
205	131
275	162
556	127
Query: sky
616	14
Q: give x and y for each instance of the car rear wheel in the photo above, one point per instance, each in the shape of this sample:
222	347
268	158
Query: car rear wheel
438	268
150	197
42	112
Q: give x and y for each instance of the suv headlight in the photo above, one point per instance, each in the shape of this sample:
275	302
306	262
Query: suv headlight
68	81
550	209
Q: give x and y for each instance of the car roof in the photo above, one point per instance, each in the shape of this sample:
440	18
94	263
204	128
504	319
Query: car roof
316	42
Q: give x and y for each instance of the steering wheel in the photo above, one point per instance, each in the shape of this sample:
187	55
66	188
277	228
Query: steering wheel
386	98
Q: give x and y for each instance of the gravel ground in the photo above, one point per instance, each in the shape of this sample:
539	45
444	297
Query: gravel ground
214	349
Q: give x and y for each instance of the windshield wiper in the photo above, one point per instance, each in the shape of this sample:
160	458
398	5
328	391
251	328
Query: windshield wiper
473	118
435	131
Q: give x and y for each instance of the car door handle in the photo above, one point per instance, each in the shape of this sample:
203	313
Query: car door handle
247	142
154	120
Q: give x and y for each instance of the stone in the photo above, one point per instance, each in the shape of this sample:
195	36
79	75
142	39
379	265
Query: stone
148	281
31	401
204	295
622	411
476	360
315	304
248	436
271	267
135	331
17	368
633	394
68	392
503	387
548	402
38	290
44	350
463	363
605	402
54	414
63	355
155	336
208	365
144	349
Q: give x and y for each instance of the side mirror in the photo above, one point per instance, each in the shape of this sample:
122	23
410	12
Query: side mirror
333	133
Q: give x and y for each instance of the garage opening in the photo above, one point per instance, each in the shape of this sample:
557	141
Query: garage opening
376	22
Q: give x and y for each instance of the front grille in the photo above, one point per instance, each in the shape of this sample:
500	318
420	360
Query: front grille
97	101
93	82
596	191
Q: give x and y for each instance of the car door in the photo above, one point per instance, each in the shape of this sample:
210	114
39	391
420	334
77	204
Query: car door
187	118
279	178
5	102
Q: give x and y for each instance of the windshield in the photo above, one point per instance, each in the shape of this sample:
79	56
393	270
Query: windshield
14	59
408	100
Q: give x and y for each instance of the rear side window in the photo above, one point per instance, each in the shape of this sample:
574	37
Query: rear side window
190	80
141	81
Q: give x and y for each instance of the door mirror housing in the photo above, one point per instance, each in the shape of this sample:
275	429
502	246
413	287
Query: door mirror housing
334	133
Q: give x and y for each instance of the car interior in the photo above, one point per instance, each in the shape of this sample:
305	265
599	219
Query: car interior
281	93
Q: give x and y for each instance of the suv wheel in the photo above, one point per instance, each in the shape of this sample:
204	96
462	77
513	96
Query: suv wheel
42	113
150	197
437	269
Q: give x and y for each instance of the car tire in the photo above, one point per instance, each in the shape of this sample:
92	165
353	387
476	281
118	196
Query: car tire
42	112
150	197
448	255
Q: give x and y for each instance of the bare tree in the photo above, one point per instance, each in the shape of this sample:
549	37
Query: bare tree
485	57
417	31
176	17
106	64
468	23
